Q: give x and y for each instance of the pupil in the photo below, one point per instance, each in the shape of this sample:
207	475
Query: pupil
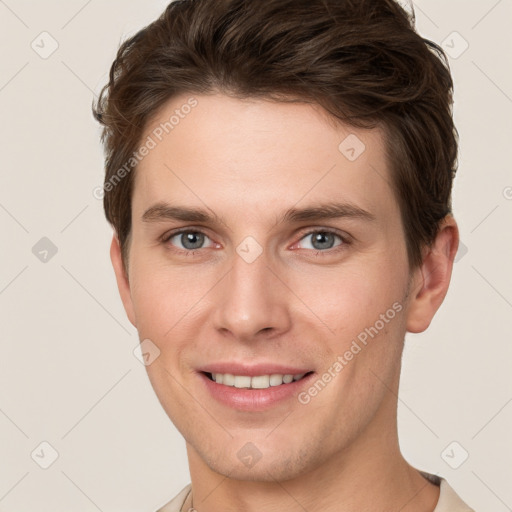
192	240
323	240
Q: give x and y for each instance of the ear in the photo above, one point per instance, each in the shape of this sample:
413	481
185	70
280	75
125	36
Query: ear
430	281
122	279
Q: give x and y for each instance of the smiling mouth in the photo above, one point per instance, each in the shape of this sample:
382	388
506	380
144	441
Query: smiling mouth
255	382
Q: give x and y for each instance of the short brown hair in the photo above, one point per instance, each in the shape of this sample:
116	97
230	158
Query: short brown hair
361	60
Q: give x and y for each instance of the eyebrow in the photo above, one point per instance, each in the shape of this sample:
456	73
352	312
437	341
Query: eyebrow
327	211
163	211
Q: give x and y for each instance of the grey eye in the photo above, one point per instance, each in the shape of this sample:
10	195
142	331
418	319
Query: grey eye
321	240
188	240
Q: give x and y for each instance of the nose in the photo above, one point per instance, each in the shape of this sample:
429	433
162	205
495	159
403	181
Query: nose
251	301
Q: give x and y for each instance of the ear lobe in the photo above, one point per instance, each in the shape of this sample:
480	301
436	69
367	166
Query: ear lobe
123	284
431	280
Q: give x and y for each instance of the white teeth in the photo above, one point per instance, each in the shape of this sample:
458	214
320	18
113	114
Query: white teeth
242	381
276	380
256	382
227	379
260	382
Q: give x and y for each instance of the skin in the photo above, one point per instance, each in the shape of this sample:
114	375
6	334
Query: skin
249	161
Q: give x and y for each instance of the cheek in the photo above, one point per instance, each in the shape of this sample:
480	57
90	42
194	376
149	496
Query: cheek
170	305
348	300
162	296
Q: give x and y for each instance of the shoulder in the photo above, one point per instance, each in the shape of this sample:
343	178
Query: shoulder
177	502
449	500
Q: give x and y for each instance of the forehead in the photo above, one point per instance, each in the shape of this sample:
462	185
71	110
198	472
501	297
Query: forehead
258	156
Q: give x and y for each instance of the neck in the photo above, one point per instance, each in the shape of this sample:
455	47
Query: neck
370	474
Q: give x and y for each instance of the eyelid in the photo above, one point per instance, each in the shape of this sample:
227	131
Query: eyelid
178	231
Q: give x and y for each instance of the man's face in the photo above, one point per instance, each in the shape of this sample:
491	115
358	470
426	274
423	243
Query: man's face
262	289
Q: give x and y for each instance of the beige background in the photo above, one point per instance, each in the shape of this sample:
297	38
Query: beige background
68	375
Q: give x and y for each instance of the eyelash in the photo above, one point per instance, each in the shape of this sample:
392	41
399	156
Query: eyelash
318	253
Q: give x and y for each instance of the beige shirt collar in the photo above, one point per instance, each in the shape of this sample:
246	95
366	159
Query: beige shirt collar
449	501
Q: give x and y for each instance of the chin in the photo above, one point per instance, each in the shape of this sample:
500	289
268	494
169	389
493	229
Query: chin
247	461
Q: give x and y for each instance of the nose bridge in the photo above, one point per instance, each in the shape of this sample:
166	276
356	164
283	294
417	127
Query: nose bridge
251	298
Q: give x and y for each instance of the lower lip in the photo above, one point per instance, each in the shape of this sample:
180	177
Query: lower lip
245	399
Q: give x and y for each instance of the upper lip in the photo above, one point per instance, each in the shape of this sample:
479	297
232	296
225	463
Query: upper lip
252	370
